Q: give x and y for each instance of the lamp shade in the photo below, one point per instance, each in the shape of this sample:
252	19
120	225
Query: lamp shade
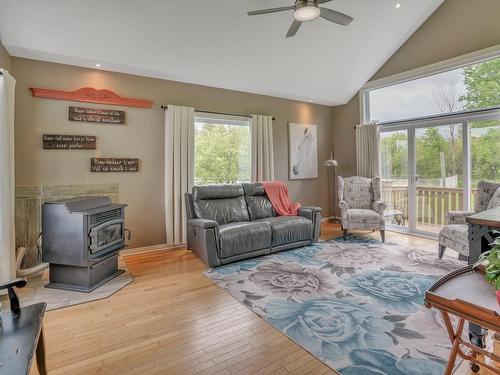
331	162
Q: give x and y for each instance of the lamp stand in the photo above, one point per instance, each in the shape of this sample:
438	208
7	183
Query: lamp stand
334	219
332	163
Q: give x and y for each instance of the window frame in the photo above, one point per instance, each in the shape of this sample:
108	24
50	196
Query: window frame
425	71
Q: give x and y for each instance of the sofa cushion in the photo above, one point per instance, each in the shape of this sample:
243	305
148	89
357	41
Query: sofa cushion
222	203
289	229
241	238
356	191
259	205
362	216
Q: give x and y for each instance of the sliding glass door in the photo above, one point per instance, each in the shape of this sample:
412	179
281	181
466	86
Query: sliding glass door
439	175
394	173
431	166
484	145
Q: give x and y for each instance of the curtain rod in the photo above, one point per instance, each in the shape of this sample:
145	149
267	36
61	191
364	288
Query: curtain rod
164	107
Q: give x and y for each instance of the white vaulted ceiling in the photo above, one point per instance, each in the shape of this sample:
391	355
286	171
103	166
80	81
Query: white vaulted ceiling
214	42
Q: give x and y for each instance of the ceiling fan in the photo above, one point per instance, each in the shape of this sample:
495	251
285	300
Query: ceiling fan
307	10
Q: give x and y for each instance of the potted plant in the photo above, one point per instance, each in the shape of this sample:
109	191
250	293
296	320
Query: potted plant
490	260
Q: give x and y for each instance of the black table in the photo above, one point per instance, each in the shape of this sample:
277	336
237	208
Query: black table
21	336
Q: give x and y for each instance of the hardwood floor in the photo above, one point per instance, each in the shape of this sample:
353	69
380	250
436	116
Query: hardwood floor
174	320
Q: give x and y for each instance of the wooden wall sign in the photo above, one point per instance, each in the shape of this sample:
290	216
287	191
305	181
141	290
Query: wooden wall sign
91	95
68	142
102	116
114	165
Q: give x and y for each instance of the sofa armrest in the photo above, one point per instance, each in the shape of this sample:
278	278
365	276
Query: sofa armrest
379	207
203	240
313	214
309	212
203	223
457	217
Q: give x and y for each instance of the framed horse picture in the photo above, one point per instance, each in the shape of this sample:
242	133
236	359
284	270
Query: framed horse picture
302	151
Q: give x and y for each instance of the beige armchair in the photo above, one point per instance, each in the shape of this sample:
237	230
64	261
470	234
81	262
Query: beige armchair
455	234
360	204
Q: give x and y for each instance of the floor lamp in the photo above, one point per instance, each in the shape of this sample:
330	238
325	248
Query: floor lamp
332	163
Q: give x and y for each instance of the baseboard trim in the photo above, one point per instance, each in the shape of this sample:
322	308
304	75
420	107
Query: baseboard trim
147	249
328	218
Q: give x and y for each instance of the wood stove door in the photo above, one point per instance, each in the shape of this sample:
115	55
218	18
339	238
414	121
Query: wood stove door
106	235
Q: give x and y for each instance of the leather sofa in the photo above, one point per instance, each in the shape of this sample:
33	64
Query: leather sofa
227	223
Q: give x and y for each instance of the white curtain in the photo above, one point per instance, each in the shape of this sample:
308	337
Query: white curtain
262	148
7	230
179	162
367	143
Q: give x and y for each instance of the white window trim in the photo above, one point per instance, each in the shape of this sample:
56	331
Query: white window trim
222	119
439	67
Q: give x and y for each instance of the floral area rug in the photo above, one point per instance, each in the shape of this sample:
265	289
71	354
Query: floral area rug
357	305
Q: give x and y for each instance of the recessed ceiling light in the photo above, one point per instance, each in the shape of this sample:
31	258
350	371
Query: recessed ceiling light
310	100
98	65
398	5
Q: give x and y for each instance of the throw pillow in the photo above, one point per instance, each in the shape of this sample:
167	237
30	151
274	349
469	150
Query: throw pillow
495	199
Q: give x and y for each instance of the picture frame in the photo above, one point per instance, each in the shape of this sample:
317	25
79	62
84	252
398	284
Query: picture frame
302	151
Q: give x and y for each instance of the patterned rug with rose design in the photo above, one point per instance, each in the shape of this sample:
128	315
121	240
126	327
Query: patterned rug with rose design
357	305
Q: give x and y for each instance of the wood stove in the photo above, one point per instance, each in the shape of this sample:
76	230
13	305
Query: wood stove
81	239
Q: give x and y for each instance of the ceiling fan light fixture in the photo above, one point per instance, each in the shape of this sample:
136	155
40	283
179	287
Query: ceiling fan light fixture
307	11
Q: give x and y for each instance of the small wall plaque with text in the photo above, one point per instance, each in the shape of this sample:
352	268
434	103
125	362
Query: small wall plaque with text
114	165
96	115
68	142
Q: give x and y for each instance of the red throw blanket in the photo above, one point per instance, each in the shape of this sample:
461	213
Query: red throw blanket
277	192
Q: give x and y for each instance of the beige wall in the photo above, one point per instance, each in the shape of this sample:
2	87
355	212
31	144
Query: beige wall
5	59
142	136
456	28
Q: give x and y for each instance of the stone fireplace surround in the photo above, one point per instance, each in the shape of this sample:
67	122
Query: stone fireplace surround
28	210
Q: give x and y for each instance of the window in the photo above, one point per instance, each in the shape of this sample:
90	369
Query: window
440	136
222	149
473	87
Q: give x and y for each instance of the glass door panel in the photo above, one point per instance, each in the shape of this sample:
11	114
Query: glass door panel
484	143
394	176
439	175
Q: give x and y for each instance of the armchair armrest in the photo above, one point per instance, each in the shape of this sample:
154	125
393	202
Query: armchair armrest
379	207
343	205
203	223
457	217
13	300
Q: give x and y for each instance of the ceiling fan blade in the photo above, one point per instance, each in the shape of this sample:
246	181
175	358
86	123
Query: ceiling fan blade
293	28
271	10
323	1
334	16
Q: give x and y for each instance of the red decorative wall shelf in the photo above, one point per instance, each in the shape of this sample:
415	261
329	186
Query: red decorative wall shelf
91	95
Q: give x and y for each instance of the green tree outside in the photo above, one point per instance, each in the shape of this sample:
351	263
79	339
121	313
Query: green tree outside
222	154
482	85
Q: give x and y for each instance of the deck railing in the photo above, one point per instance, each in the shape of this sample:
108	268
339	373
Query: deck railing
432	203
